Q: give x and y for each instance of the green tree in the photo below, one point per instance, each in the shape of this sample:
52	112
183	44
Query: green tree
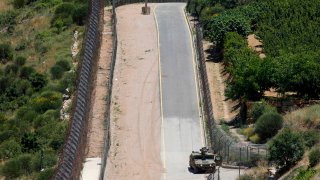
286	149
38	81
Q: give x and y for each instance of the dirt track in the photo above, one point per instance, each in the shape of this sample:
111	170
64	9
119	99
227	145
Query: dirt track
135	110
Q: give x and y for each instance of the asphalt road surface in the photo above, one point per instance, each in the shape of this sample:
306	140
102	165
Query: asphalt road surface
181	127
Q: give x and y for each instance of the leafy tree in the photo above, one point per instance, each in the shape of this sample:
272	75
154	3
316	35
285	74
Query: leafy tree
268	124
286	149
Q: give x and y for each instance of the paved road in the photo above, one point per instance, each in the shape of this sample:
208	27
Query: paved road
181	123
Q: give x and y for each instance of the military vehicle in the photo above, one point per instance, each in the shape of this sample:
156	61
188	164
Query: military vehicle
204	161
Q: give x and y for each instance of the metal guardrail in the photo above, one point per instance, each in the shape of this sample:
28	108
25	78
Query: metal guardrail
72	155
222	143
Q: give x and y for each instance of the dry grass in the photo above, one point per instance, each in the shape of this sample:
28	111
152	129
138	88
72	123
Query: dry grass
304	119
5	5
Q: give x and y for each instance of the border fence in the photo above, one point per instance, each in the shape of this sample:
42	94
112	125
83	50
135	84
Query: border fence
232	151
72	155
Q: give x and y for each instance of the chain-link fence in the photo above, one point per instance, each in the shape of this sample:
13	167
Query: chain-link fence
232	151
72	155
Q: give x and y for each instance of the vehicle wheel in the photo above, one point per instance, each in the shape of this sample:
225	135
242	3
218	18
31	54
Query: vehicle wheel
195	170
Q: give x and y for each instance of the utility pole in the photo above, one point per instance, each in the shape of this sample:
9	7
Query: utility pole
146	9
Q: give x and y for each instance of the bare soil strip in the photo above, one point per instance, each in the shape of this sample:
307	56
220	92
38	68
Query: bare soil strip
223	109
135	110
100	92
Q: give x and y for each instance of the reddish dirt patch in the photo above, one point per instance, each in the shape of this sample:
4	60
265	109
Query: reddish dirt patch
100	92
135	111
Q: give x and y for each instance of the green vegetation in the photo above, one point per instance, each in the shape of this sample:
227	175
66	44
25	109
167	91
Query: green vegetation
35	70
268	125
288	32
286	149
314	156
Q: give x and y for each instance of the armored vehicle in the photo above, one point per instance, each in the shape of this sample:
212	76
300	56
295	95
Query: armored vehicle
204	161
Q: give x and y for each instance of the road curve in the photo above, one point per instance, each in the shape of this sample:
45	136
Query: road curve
181	124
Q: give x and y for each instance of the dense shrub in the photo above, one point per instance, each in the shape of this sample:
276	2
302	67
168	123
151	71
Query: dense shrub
286	149
20	60
63	15
38	81
47	159
64	64
47	100
56	72
19	3
6	53
8	19
45	174
255	138
18	166
11	69
29	142
260	108
26	71
314	156
311	137
268	125
79	14
9	149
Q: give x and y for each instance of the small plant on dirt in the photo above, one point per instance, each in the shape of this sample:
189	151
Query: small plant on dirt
255	138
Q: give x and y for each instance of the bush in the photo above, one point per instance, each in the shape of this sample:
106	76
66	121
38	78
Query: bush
56	72
47	100
268	125
311	137
255	138
38	81
18	4
11	69
64	64
260	108
79	14
248	132
286	149
18	166
6	53
20	60
46	174
7	19
63	16
9	149
49	159
314	156
25	72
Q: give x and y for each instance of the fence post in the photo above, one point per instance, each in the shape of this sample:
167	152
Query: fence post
239	160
